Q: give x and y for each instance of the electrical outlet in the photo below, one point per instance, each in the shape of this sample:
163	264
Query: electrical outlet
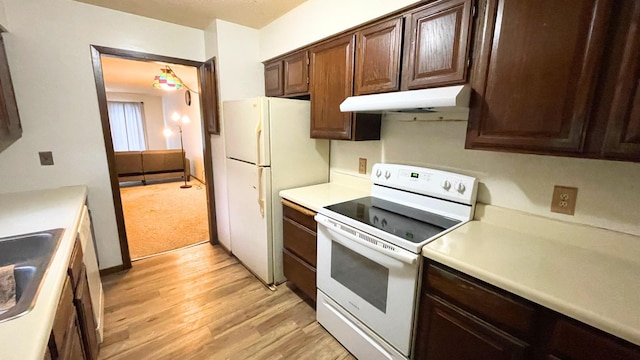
564	199
46	158
362	166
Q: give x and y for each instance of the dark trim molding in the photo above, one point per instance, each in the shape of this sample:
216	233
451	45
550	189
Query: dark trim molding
96	53
112	270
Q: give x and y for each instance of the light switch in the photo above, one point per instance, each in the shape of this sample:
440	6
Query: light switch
46	158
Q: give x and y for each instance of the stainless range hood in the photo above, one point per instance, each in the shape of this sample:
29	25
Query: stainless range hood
453	99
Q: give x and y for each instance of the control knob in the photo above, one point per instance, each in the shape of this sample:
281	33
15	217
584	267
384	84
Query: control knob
446	185
387	174
378	173
460	188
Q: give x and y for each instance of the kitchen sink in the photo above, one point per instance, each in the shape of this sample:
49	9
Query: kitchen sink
31	256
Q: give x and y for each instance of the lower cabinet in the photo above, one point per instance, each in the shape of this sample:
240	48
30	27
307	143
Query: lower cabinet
299	242
447	332
73	335
461	317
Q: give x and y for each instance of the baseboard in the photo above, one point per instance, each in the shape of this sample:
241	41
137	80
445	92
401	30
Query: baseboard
111	270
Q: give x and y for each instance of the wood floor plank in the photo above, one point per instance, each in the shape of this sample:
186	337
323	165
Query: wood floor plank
201	303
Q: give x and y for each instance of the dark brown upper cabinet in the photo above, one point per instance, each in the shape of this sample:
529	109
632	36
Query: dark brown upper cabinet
378	57
622	139
209	96
10	128
437	44
331	82
535	70
296	74
274	78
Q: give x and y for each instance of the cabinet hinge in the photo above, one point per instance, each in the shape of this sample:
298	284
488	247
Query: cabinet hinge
307	79
474	10
308	60
469	62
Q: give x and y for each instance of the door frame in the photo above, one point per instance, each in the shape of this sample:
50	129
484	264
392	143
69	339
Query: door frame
96	53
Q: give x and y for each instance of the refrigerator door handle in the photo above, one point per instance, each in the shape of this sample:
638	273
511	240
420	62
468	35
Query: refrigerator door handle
260	195
258	132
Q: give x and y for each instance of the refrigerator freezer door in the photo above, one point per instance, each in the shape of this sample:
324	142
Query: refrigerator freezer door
250	217
246	130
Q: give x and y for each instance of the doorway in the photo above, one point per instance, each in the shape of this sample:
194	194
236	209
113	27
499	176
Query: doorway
187	176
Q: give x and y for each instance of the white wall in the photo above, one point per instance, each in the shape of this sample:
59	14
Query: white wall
609	191
4	23
316	19
153	116
240	75
49	55
191	133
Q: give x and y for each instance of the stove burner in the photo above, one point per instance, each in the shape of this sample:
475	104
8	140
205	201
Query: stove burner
408	223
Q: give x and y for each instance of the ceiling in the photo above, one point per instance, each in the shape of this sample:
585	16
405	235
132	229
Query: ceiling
200	13
130	76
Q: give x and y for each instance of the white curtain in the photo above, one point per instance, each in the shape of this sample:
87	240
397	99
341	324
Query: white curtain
127	126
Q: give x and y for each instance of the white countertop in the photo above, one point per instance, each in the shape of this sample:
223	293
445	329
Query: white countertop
26	337
587	273
316	196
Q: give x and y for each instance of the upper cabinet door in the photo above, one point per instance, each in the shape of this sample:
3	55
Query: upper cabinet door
296	74
534	73
622	139
273	76
10	128
331	82
437	48
378	58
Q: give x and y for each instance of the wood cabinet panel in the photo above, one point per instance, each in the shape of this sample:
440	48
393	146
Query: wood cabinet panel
62	318
209	96
437	50
446	332
331	82
300	273
300	241
296	74
480	300
378	57
622	139
10	128
273	79
86	318
299	214
534	73
571	340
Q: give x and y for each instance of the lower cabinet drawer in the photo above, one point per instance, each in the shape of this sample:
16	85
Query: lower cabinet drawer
300	274
573	340
493	306
299	240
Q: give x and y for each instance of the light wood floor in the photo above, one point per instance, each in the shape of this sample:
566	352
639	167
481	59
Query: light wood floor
200	303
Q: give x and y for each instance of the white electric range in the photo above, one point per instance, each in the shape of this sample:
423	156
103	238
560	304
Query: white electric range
369	258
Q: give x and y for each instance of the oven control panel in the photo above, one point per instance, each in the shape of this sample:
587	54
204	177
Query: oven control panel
431	182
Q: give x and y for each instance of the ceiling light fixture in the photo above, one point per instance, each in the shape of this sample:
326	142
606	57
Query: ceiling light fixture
167	80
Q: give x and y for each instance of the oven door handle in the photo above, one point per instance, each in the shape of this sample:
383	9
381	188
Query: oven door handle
344	238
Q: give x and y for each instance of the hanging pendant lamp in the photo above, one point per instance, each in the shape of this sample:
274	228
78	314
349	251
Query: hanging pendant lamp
167	80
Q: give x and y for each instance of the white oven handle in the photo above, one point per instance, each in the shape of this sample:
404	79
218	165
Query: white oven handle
344	239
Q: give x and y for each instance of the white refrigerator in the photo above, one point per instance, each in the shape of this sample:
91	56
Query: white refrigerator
268	149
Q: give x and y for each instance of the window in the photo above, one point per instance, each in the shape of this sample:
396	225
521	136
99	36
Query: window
127	126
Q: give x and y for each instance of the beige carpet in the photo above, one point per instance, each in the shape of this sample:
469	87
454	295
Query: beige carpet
161	217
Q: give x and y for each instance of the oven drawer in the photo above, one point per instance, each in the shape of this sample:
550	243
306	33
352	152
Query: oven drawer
481	300
299	240
299	214
300	273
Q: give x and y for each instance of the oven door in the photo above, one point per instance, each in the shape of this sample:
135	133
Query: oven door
374	281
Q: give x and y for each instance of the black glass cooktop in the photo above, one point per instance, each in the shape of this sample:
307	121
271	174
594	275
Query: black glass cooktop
406	222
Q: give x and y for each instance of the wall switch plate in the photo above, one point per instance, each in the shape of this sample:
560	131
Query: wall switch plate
564	199
46	158
362	166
